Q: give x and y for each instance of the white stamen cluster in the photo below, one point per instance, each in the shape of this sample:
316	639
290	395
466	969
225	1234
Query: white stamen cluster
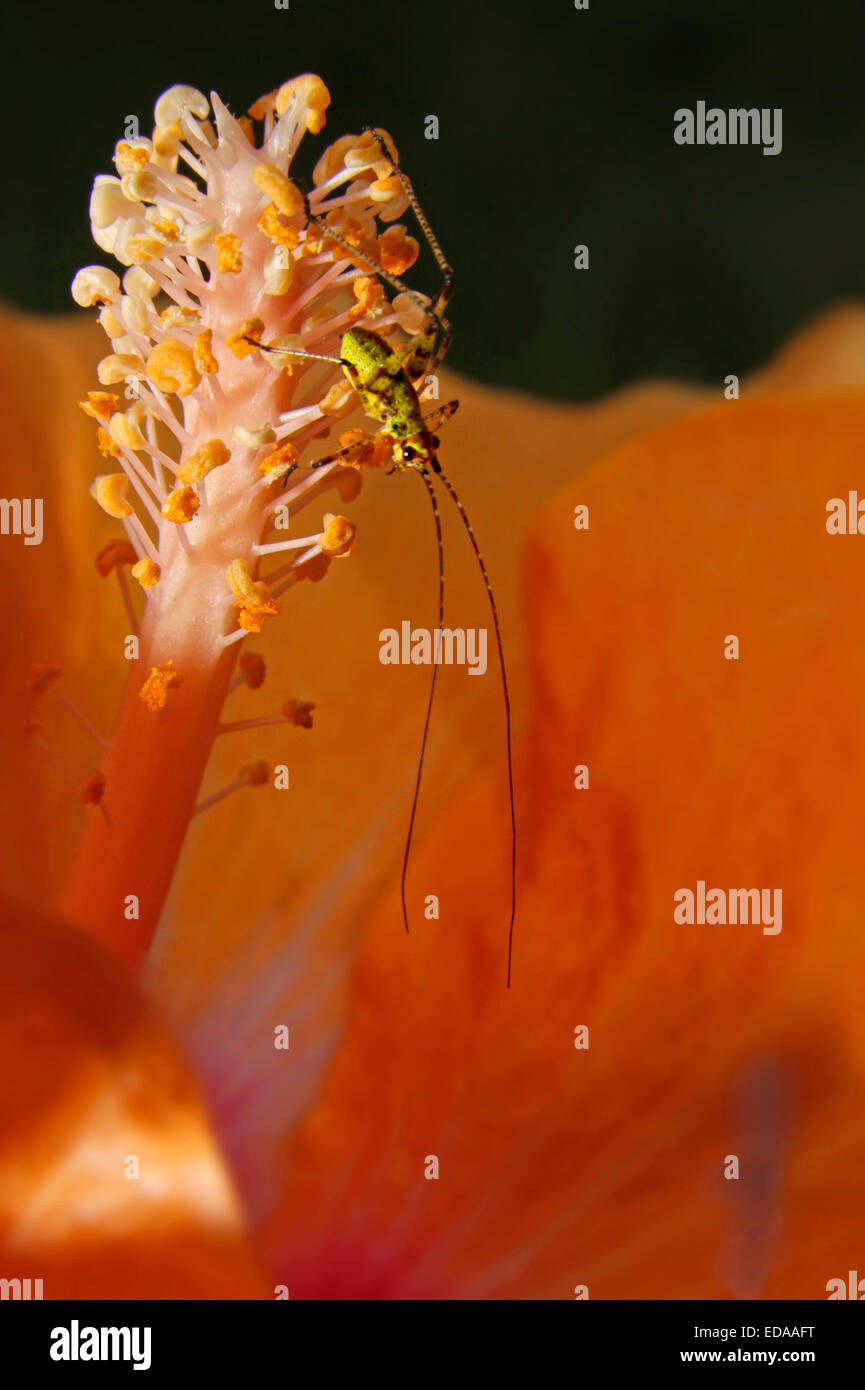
219	250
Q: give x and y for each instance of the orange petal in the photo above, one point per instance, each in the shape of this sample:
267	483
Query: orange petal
604	1167
111	1185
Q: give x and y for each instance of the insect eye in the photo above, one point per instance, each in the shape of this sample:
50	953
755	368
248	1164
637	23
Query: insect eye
408	452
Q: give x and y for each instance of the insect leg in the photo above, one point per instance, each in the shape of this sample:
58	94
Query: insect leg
441	562
471	535
355	253
432	241
447	289
439	417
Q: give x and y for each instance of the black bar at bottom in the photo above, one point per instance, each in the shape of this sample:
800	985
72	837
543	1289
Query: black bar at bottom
63	1339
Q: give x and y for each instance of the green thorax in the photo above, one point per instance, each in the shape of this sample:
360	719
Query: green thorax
382	383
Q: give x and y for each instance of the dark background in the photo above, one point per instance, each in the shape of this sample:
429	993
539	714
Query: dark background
556	127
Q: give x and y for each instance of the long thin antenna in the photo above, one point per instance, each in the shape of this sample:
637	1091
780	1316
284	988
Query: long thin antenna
471	535
355	253
441	555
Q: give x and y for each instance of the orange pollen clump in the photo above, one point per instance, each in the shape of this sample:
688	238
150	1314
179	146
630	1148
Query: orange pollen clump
208	456
100	405
180	505
397	252
368	292
283	457
252	597
237	341
166	228
131	154
107	448
279	189
386	188
202	355
147	572
311	91
283	234
109	490
338	535
349	437
171	367
228	255
368	451
154	691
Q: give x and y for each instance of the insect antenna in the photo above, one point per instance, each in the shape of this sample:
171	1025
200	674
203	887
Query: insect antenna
440	625
432	240
483	569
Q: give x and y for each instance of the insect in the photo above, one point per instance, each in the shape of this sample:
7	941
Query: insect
387	382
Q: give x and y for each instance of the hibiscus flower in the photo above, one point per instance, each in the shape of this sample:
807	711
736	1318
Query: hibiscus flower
282	1092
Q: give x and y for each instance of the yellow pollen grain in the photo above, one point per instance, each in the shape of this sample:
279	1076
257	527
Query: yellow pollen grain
180	505
338	535
147	572
202	354
141	249
154	691
312	93
251	328
100	405
277	186
176	314
228	257
117	552
171	367
166	140
207	457
124	430
92	788
117	366
254	599
242	585
109	490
